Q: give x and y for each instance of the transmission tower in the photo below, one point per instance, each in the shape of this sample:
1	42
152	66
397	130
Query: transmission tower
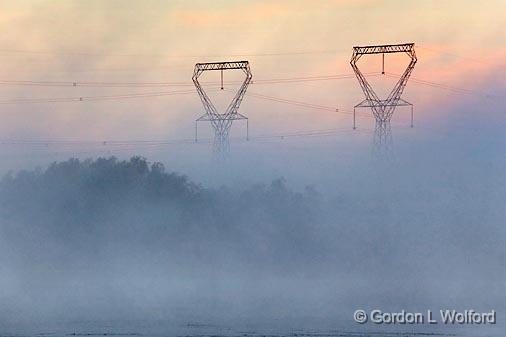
383	142
221	122
383	109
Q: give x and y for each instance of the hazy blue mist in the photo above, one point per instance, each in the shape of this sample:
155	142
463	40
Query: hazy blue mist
129	241
287	234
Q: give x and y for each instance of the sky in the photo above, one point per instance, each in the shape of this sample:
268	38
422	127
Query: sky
458	43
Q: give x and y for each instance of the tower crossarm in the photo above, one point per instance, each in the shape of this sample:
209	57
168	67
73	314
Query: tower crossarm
384	49
200	67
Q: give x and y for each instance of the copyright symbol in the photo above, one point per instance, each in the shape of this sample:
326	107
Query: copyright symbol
360	316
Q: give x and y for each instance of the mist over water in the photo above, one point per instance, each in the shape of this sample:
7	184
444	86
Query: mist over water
132	245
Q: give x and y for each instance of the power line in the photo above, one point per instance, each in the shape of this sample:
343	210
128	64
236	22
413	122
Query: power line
91	84
149	143
79	53
299	103
438	51
293	102
172	84
457	90
23	100
95	98
163	93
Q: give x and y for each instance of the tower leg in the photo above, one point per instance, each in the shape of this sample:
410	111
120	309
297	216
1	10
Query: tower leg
411	115
354	124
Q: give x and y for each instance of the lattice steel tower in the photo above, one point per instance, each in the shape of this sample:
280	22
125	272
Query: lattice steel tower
221	122
383	109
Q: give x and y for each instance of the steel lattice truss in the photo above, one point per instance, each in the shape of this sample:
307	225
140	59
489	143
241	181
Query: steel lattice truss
383	109
383	142
221	122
